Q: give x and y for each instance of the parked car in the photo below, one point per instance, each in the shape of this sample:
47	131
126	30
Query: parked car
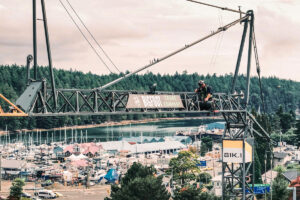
26	195
47	183
46	194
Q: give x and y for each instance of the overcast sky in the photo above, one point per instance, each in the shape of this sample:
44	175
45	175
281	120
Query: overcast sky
133	32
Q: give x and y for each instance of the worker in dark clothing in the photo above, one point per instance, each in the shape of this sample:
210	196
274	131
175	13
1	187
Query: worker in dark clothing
204	96
152	88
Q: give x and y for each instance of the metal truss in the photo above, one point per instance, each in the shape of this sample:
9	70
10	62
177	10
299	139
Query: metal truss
239	126
38	100
109	102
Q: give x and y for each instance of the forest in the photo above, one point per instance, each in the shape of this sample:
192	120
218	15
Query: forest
13	82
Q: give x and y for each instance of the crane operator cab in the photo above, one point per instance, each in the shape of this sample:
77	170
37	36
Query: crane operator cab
204	93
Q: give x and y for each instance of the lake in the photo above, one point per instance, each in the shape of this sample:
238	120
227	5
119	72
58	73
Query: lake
110	133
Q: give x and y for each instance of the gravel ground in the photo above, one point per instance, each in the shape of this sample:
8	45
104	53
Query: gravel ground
98	192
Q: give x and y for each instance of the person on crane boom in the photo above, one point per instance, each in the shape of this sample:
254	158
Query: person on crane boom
204	95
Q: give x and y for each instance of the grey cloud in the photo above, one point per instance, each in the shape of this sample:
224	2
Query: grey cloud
279	34
135	31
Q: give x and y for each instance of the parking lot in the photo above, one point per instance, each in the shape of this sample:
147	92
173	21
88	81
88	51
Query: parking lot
69	193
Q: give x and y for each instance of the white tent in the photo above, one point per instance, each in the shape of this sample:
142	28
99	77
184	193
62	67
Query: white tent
67	176
79	157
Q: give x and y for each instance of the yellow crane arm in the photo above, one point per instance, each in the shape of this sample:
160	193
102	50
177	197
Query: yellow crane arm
16	112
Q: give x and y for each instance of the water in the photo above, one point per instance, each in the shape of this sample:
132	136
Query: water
108	133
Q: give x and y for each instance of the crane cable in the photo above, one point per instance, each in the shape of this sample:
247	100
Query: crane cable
92	36
218	44
222	8
93	48
258	70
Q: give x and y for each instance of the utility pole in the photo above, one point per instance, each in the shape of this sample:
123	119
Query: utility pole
266	176
271	191
34	39
0	171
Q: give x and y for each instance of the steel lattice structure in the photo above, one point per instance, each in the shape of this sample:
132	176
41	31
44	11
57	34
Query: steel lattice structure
39	100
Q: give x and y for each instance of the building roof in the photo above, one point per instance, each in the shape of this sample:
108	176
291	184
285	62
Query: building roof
115	145
291	175
157	146
58	149
269	176
92	149
296	182
280	155
148	139
13	164
141	148
141	139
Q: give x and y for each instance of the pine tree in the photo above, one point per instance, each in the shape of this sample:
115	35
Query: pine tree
279	186
192	193
139	183
17	188
183	167
297	132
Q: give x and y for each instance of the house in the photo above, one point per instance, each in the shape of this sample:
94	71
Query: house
58	150
269	176
280	158
295	184
291	175
59	153
12	168
297	155
91	151
72	149
217	185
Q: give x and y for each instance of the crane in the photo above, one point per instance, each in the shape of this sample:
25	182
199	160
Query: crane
39	100
239	136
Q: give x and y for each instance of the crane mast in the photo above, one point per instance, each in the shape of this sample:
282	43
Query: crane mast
239	136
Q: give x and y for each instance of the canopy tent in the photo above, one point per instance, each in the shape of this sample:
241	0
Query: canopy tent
79	157
112	175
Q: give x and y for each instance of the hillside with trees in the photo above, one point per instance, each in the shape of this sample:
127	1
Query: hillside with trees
13	82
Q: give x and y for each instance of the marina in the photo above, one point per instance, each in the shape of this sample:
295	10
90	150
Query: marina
76	158
106	126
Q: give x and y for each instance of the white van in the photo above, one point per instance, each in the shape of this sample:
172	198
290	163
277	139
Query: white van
46	194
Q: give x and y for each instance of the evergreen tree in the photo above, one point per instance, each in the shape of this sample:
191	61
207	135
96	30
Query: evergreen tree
257	169
297	132
206	145
183	167
279	186
192	193
262	147
139	183
16	188
204	177
12	82
138	170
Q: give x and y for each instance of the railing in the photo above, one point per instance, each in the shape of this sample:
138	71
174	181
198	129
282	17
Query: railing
93	102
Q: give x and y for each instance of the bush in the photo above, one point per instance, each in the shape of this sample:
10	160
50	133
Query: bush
16	189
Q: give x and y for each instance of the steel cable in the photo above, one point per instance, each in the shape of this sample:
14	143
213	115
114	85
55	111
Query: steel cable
258	70
93	48
92	36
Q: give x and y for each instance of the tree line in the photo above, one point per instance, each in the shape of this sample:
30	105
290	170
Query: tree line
282	126
13	82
